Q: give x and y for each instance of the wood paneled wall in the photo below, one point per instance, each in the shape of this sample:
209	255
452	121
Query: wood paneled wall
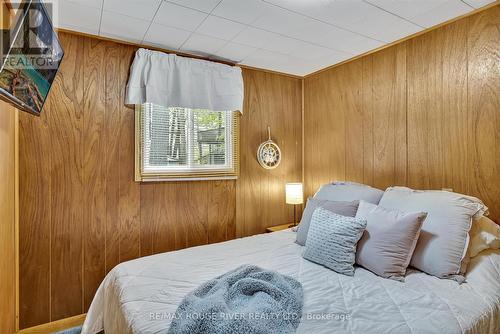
424	113
271	100
7	218
8	202
81	213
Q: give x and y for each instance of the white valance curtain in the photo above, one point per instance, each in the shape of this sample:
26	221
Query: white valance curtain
173	81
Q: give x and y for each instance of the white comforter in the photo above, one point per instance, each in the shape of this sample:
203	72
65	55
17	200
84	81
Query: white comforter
140	296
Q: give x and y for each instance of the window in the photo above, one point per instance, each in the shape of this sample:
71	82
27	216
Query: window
181	143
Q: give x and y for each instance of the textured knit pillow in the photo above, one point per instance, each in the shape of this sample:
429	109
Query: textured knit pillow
389	239
342	208
442	246
349	191
332	240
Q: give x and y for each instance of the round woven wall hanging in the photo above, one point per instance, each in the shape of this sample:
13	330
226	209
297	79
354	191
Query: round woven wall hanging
269	153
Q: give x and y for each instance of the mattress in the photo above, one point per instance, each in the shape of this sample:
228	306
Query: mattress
141	296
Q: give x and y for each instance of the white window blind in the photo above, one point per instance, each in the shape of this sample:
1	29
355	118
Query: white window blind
182	143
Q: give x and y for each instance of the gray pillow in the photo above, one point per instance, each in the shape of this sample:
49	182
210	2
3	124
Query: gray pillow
349	191
441	249
332	240
342	208
389	240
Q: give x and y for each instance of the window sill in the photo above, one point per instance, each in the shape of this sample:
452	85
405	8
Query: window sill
179	179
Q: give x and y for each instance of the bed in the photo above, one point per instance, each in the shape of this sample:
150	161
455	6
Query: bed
140	296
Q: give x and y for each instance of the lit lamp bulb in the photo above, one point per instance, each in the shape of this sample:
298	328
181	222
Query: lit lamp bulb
294	195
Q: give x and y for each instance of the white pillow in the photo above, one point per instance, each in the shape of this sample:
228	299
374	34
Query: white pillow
442	246
344	191
484	234
389	240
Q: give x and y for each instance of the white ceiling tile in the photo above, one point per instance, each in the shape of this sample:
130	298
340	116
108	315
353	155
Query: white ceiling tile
316	66
179	17
354	15
262	39
321	63
337	12
279	20
79	17
204	5
309	30
331	60
253	37
261	15
91	31
293	36
292	66
220	28
407	8
334	38
312	52
276	62
120	38
424	12
90	3
383	27
121	26
243	11
202	44
311	68
168	37
262	57
358	45
444	12
235	52
479	3
141	9
282	44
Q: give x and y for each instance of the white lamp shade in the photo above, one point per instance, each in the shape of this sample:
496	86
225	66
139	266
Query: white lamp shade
294	194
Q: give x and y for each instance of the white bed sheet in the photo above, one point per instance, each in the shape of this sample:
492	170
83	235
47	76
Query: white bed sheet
140	296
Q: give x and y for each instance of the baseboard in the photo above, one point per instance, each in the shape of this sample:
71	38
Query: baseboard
55	326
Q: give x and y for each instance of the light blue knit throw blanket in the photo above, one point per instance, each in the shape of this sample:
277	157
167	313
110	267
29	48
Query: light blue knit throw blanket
246	300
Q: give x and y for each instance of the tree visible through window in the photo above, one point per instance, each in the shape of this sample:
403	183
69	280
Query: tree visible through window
181	142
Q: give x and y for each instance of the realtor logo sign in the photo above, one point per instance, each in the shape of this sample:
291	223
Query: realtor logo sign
29	42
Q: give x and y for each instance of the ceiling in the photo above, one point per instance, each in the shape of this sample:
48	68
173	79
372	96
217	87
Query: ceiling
291	36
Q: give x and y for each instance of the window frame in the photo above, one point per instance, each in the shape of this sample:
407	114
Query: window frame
141	175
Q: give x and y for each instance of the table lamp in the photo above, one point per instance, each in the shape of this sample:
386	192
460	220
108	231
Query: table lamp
294	195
